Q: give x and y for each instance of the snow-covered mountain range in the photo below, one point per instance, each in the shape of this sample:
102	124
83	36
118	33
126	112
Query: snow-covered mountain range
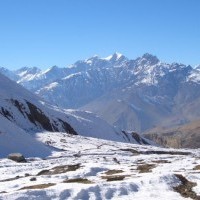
134	94
131	94
23	114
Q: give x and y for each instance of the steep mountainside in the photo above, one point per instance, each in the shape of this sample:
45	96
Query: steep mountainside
130	94
185	136
22	114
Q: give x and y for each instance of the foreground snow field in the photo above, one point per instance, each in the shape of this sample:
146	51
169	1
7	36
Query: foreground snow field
87	168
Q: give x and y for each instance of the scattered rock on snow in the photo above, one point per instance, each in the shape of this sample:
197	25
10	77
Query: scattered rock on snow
114	177
186	188
33	179
78	180
39	186
59	169
113	171
197	167
145	168
17	157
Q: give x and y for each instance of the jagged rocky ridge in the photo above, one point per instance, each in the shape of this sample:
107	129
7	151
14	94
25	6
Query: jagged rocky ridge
130	94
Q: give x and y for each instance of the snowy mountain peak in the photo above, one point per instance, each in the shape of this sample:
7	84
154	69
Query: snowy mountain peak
53	69
3	69
114	57
141	82
53	73
8	73
182	67
149	59
92	59
197	67
27	70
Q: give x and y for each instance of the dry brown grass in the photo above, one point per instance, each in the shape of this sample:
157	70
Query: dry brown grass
59	170
11	179
39	186
161	161
114	177
185	188
197	167
113	171
145	168
78	180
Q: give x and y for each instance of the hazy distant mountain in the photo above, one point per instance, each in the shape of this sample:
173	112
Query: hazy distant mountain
11	74
197	67
131	94
184	136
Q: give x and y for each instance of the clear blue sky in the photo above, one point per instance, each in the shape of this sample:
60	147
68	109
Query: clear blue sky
44	33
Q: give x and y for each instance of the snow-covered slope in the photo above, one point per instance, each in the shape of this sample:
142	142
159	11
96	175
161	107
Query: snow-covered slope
22	114
134	94
15	139
11	74
27	110
88	168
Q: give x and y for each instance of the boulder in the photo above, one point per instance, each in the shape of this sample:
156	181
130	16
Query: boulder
17	157
33	179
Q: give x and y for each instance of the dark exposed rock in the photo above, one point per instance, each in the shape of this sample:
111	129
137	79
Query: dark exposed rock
116	161
26	174
39	186
11	179
114	177
161	161
197	167
67	127
159	152
59	169
19	105
36	115
6	113
44	172
78	180
114	171
33	179
145	168
185	188
136	137
139	139
17	157
133	151
166	152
